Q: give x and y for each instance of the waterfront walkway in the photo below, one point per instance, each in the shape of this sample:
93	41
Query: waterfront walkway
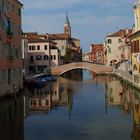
127	77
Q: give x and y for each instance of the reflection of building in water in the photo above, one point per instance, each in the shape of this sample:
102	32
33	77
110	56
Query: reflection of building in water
129	100
52	95
114	89
11	119
126	100
92	74
136	115
41	99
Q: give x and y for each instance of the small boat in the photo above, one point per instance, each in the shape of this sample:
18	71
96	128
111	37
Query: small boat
50	78
47	78
35	83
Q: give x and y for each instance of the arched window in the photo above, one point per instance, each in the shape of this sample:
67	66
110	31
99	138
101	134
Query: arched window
46	57
38	57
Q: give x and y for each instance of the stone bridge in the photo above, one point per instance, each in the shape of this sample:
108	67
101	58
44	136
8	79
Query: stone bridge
99	69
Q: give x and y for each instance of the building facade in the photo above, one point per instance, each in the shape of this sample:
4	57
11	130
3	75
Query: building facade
42	54
135	37
118	47
135	47
86	57
10	47
97	53
69	47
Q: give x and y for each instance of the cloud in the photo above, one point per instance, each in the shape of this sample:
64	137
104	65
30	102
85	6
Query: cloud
91	20
50	4
44	23
57	4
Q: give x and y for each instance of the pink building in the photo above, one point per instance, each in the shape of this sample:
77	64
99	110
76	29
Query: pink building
97	53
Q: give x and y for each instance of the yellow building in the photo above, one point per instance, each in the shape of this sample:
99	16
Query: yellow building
135	47
135	37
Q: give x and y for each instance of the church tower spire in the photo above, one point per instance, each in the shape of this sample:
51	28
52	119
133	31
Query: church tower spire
67	27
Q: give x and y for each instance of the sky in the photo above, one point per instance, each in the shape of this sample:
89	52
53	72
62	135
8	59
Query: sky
91	20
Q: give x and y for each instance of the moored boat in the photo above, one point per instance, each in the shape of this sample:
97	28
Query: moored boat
35	83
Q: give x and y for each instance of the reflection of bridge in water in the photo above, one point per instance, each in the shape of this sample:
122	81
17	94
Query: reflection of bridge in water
59	70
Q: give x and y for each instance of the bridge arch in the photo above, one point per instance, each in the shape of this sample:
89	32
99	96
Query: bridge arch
76	68
59	70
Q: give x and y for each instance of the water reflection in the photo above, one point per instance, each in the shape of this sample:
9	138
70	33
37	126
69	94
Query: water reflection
67	109
53	95
79	74
128	99
11	119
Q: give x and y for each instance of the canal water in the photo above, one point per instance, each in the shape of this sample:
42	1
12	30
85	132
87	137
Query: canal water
78	106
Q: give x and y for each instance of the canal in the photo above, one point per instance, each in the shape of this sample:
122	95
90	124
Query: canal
78	106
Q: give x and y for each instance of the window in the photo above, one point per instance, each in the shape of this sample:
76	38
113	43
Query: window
13	7
2	75
19	12
109	41
45	47
14	73
8	51
12	27
19	30
46	57
119	40
47	102
12	50
51	57
39	102
17	52
30	47
38	47
33	47
54	57
8	5
109	50
38	57
34	102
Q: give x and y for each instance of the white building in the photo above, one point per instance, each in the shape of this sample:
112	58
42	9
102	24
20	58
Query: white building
117	47
86	57
42	54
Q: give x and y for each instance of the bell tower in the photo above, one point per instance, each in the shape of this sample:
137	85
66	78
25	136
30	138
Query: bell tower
67	27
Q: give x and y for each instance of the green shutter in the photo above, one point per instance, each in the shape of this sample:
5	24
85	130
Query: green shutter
12	27
19	12
9	51
19	30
